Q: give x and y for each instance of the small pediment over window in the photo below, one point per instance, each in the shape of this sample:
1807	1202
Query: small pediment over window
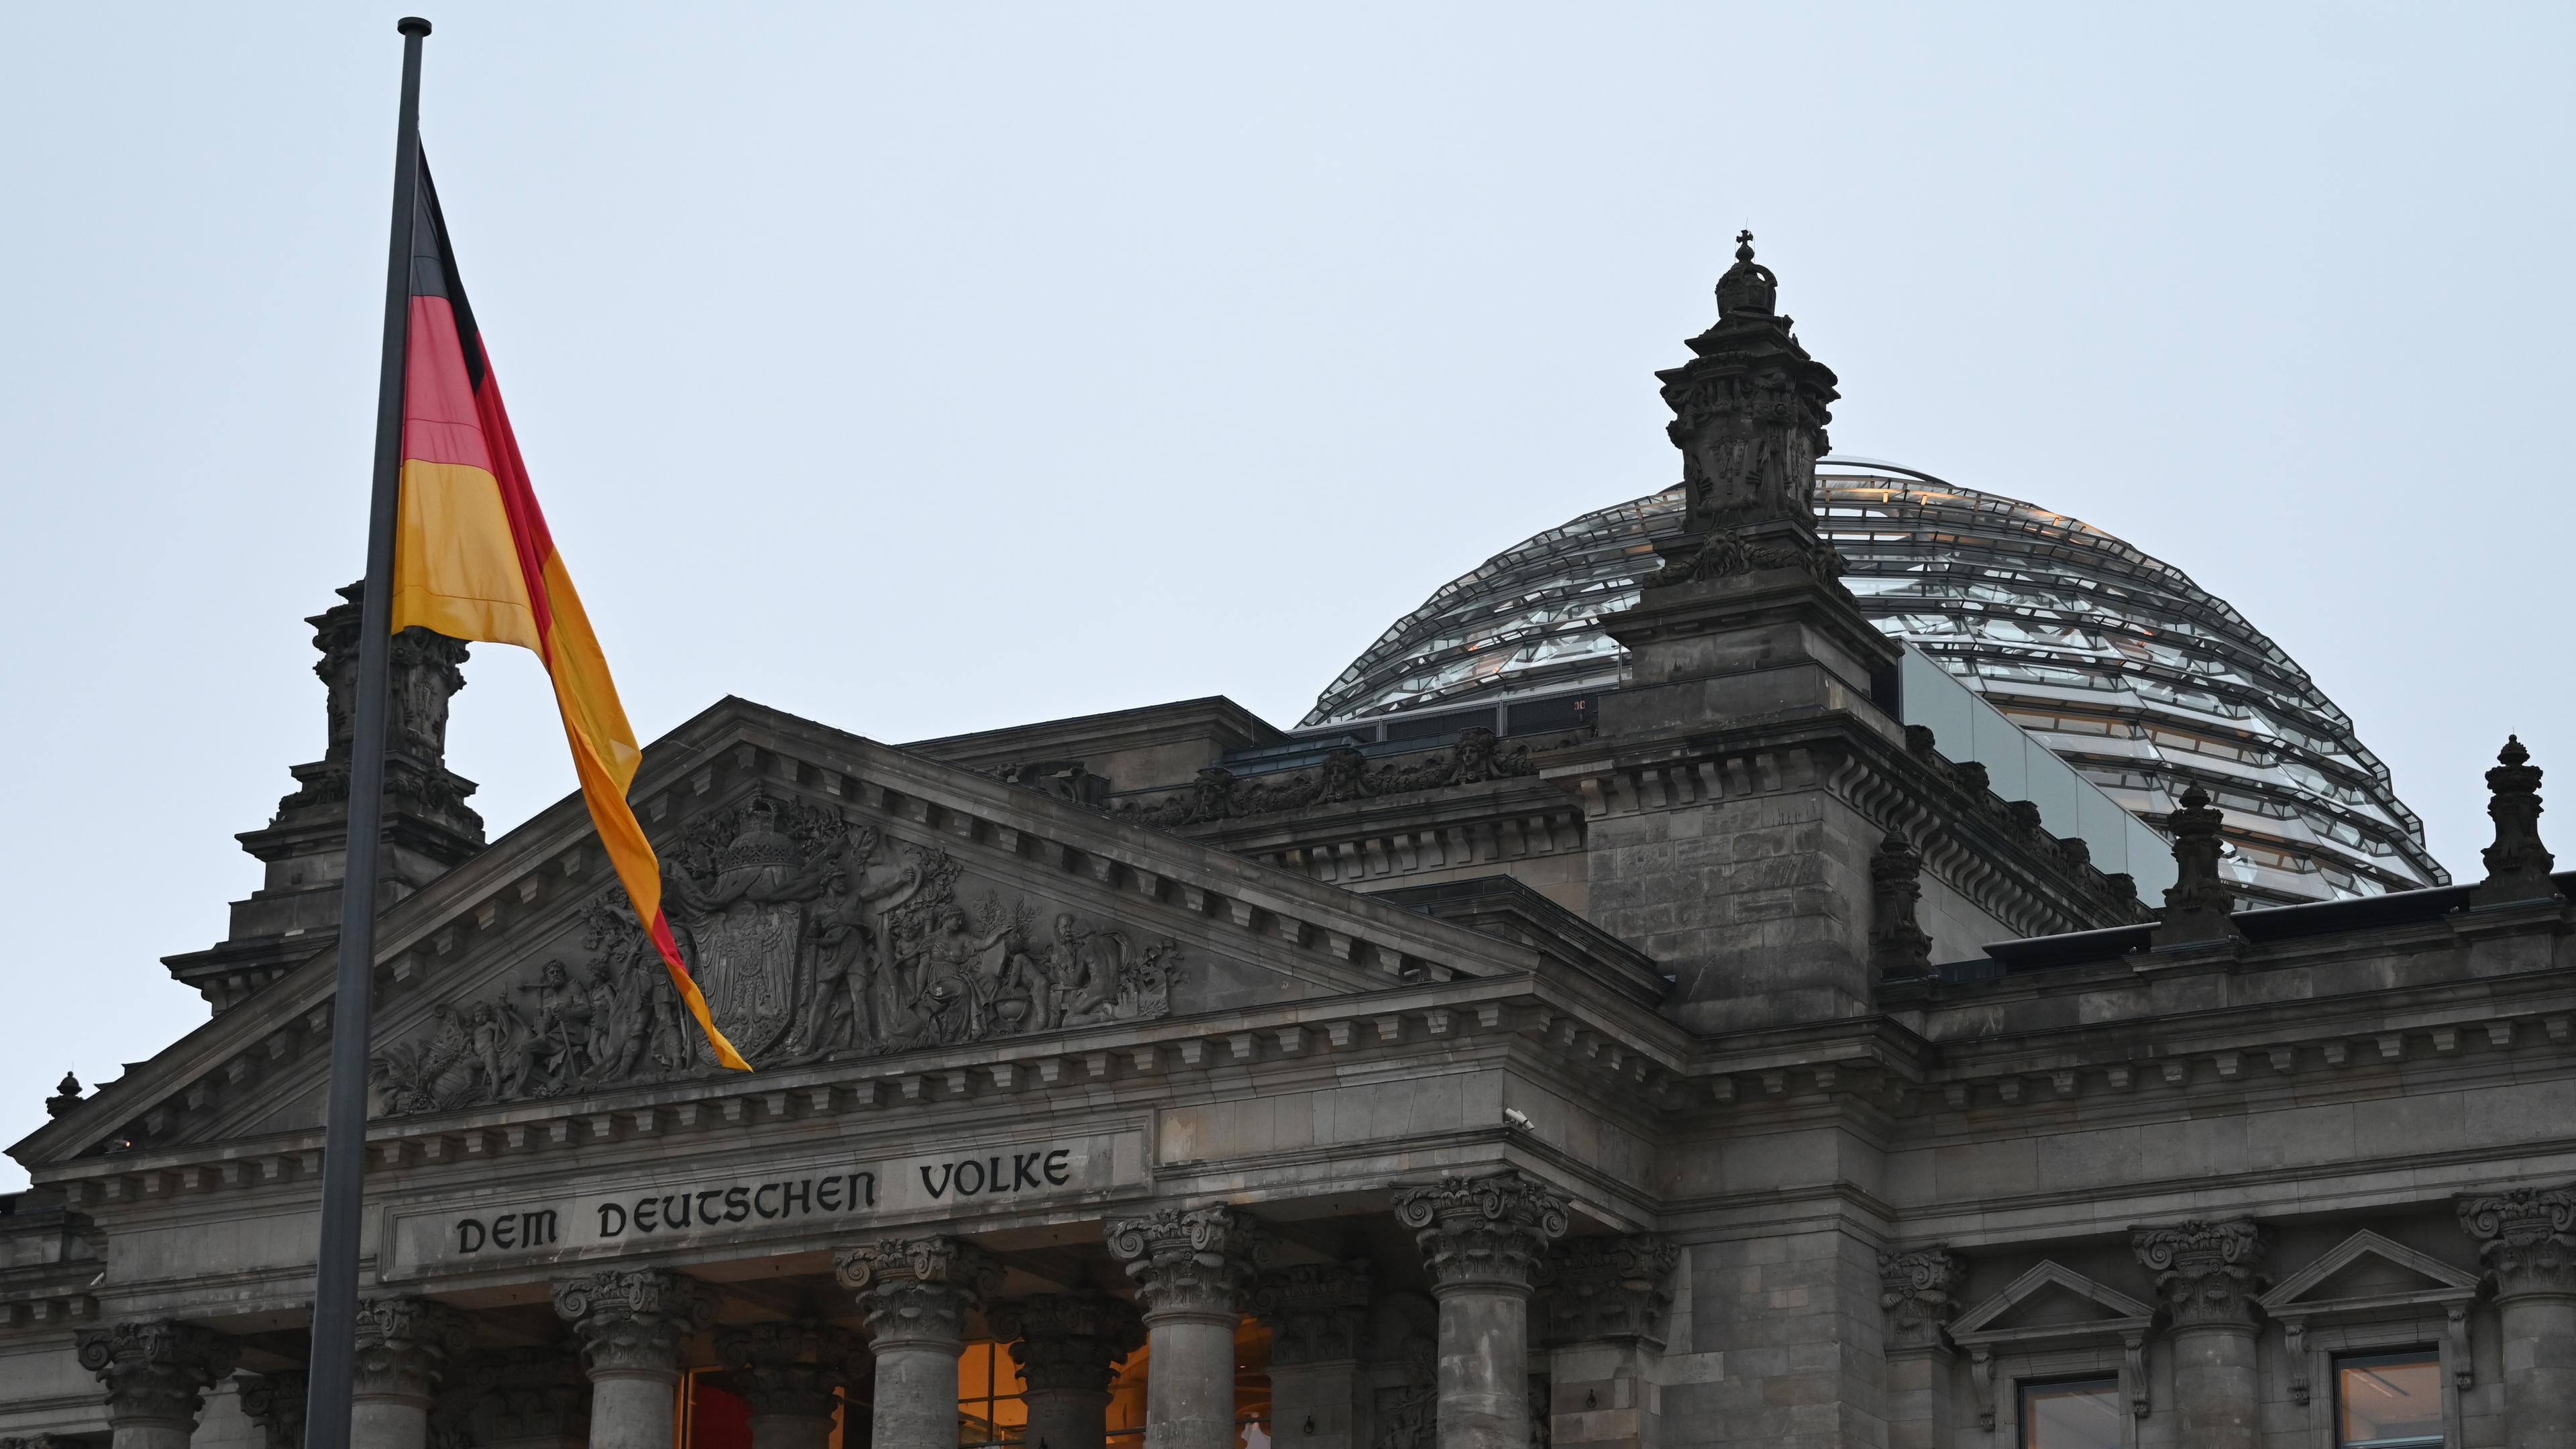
2052	1302
2368	1272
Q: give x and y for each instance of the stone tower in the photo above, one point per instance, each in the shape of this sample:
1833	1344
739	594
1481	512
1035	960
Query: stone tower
304	848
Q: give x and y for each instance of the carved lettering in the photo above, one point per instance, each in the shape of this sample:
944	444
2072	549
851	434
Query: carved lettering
1056	1170
612	1220
469	1235
938	1189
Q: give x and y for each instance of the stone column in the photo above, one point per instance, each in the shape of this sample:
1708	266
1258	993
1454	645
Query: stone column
1066	1346
2524	1238
157	1375
1318	1316
1605	1311
275	1402
2205	1273
917	1295
404	1346
514	1398
1920	1293
1193	1270
1483	1239
790	1374
630	1322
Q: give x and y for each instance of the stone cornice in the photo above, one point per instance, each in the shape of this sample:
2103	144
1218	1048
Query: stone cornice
1966	833
1593	1032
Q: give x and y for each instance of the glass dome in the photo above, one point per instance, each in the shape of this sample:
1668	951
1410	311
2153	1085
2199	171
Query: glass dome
2115	661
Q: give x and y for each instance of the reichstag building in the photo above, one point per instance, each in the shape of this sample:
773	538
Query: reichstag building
1816	957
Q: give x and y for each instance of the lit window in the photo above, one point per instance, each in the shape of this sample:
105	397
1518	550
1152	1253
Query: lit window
2389	1401
991	1407
2079	1414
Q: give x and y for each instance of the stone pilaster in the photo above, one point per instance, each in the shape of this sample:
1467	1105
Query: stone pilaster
1318	1316
1483	1240
630	1323
1067	1345
1605	1310
791	1374
275	1402
1919	1290
157	1375
1193	1269
514	1398
917	1294
2527	1238
2206	1274
404	1345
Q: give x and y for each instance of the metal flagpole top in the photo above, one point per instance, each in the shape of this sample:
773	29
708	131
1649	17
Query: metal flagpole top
412	25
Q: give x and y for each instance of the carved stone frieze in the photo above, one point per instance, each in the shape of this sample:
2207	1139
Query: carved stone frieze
1192	1262
918	1290
156	1373
1344	776
404	1343
811	938
631	1320
1408	1412
1317	1312
2205	1271
511	1395
792	1369
2518	865
1919	1290
1067	1341
1610	1288
275	1402
1486	1233
2526	1237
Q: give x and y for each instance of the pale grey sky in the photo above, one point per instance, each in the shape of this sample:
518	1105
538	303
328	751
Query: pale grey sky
931	368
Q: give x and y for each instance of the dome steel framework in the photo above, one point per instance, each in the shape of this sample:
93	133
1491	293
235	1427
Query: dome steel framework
2115	661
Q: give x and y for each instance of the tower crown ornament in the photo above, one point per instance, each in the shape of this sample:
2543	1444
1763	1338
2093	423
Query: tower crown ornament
1748	288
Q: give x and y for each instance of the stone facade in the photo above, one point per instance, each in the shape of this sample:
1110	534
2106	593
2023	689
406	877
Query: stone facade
1600	1086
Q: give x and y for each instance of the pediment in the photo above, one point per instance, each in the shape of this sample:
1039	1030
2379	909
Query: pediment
2368	1271
838	899
2051	1301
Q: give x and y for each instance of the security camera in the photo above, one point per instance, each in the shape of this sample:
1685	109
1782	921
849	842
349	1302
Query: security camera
1518	1118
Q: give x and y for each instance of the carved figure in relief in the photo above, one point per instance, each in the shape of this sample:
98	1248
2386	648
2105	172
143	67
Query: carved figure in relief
810	939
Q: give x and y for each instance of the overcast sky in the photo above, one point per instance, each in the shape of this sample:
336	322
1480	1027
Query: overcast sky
923	369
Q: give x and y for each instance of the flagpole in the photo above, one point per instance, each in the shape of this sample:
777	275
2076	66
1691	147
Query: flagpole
344	1147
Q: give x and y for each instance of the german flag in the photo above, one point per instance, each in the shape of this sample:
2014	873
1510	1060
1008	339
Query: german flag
473	560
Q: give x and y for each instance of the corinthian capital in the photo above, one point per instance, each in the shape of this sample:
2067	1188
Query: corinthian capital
1191	1262
1317	1312
2205	1271
1610	1288
1488	1232
1067	1341
275	1402
630	1321
156	1373
918	1290
2524	1238
405	1343
1919	1290
789	1370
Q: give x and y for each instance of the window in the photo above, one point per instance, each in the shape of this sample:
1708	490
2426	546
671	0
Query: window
991	1408
2074	1414
2389	1401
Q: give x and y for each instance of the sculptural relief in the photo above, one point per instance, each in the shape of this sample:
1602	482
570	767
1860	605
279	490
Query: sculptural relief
811	937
